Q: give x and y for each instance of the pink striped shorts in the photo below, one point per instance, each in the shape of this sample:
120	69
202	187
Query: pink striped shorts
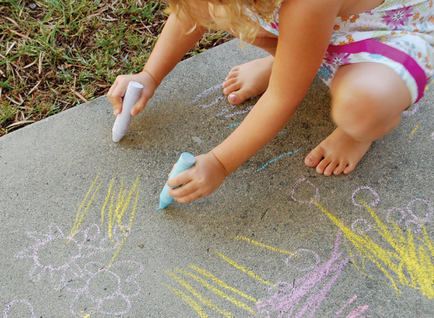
398	34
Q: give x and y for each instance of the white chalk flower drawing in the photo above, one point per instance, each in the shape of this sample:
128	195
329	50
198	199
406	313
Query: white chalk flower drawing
107	291
68	251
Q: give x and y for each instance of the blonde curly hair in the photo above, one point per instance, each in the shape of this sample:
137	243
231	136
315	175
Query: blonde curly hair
240	17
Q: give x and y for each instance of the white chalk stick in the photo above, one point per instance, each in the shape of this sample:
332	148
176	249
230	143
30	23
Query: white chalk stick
123	119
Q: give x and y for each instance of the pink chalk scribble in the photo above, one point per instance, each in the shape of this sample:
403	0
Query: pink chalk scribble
346	305
413	110
415	220
298	254
19	301
312	199
373	203
69	250
93	297
358	311
315	285
356	228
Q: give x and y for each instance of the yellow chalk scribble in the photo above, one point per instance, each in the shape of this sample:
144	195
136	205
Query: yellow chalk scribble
238	237
409	264
215	290
106	200
81	214
245	270
130	223
414	130
115	211
221	283
202	299
189	301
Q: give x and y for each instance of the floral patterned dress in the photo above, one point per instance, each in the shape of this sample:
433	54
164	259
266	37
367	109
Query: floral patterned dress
398	33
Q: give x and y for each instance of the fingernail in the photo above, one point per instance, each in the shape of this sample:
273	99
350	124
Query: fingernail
224	84
233	98
310	159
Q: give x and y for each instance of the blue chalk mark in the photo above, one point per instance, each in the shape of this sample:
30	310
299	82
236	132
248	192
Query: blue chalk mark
275	159
185	161
234	125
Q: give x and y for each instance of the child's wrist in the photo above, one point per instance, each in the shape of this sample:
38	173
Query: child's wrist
222	166
156	82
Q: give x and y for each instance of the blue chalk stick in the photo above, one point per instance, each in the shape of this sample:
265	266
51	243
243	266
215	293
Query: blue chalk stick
185	161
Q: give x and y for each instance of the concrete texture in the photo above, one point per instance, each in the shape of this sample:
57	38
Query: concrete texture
81	236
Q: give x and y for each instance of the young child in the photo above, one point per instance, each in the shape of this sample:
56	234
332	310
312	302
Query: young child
376	56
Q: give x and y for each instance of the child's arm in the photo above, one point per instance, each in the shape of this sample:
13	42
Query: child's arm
305	29
171	46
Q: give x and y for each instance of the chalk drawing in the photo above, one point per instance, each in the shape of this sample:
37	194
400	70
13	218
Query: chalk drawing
219	282
432	136
241	112
226	109
413	110
115	291
373	203
66	262
19	301
187	299
233	125
243	269
302	252
366	227
215	290
287	298
206	92
414	130
312	199
300	297
82	244
202	280
346	305
416	223
238	237
202	299
409	261
214	102
279	157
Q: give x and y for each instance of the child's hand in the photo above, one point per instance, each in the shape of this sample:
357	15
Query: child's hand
200	180
119	87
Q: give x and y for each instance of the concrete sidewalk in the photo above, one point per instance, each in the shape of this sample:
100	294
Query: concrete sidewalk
81	236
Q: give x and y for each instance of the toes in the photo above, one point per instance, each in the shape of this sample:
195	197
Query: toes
331	167
321	167
338	170
313	158
234	99
233	72
349	168
230	85
239	96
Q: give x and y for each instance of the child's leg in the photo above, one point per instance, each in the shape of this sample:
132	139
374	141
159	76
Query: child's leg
367	101
251	79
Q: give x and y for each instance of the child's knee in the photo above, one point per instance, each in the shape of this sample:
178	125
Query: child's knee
358	112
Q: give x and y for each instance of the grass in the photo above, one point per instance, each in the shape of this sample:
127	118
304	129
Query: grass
54	54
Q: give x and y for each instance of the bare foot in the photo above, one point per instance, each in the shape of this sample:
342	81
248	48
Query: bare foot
248	80
337	153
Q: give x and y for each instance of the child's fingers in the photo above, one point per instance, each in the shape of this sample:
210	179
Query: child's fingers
179	179
139	105
183	191
115	95
190	197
